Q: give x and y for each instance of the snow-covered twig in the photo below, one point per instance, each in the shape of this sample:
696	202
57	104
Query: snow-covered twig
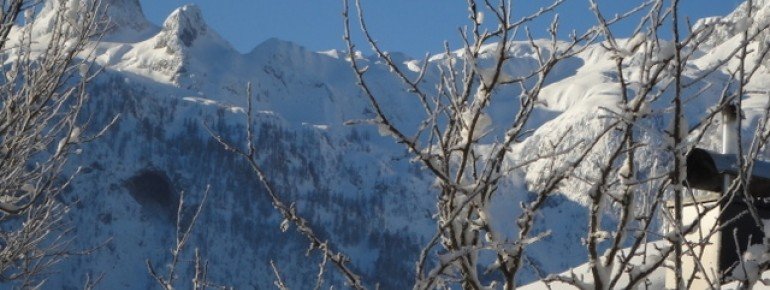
278	280
287	211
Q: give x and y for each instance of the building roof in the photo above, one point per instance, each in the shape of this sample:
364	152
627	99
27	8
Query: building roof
705	170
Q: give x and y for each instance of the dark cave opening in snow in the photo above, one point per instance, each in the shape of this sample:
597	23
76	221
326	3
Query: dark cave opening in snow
153	190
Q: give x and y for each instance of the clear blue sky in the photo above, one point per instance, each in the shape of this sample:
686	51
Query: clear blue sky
411	26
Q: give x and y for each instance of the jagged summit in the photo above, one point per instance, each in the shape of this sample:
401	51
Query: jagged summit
183	48
126	14
183	27
737	22
124	19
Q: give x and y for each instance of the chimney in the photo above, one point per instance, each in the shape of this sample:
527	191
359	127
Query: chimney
730	129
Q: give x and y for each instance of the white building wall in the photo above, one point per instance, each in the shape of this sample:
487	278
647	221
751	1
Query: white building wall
699	245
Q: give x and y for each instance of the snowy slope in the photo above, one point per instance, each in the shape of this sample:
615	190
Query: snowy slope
656	280
356	185
170	81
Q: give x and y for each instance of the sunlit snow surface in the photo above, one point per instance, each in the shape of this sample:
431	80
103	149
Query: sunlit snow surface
655	280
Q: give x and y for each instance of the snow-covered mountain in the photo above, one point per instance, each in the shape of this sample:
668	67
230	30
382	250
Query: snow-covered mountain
358	187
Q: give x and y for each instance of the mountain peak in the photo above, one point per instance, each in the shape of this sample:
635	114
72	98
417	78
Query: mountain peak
274	44
125	14
736	23
184	48
123	20
184	25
